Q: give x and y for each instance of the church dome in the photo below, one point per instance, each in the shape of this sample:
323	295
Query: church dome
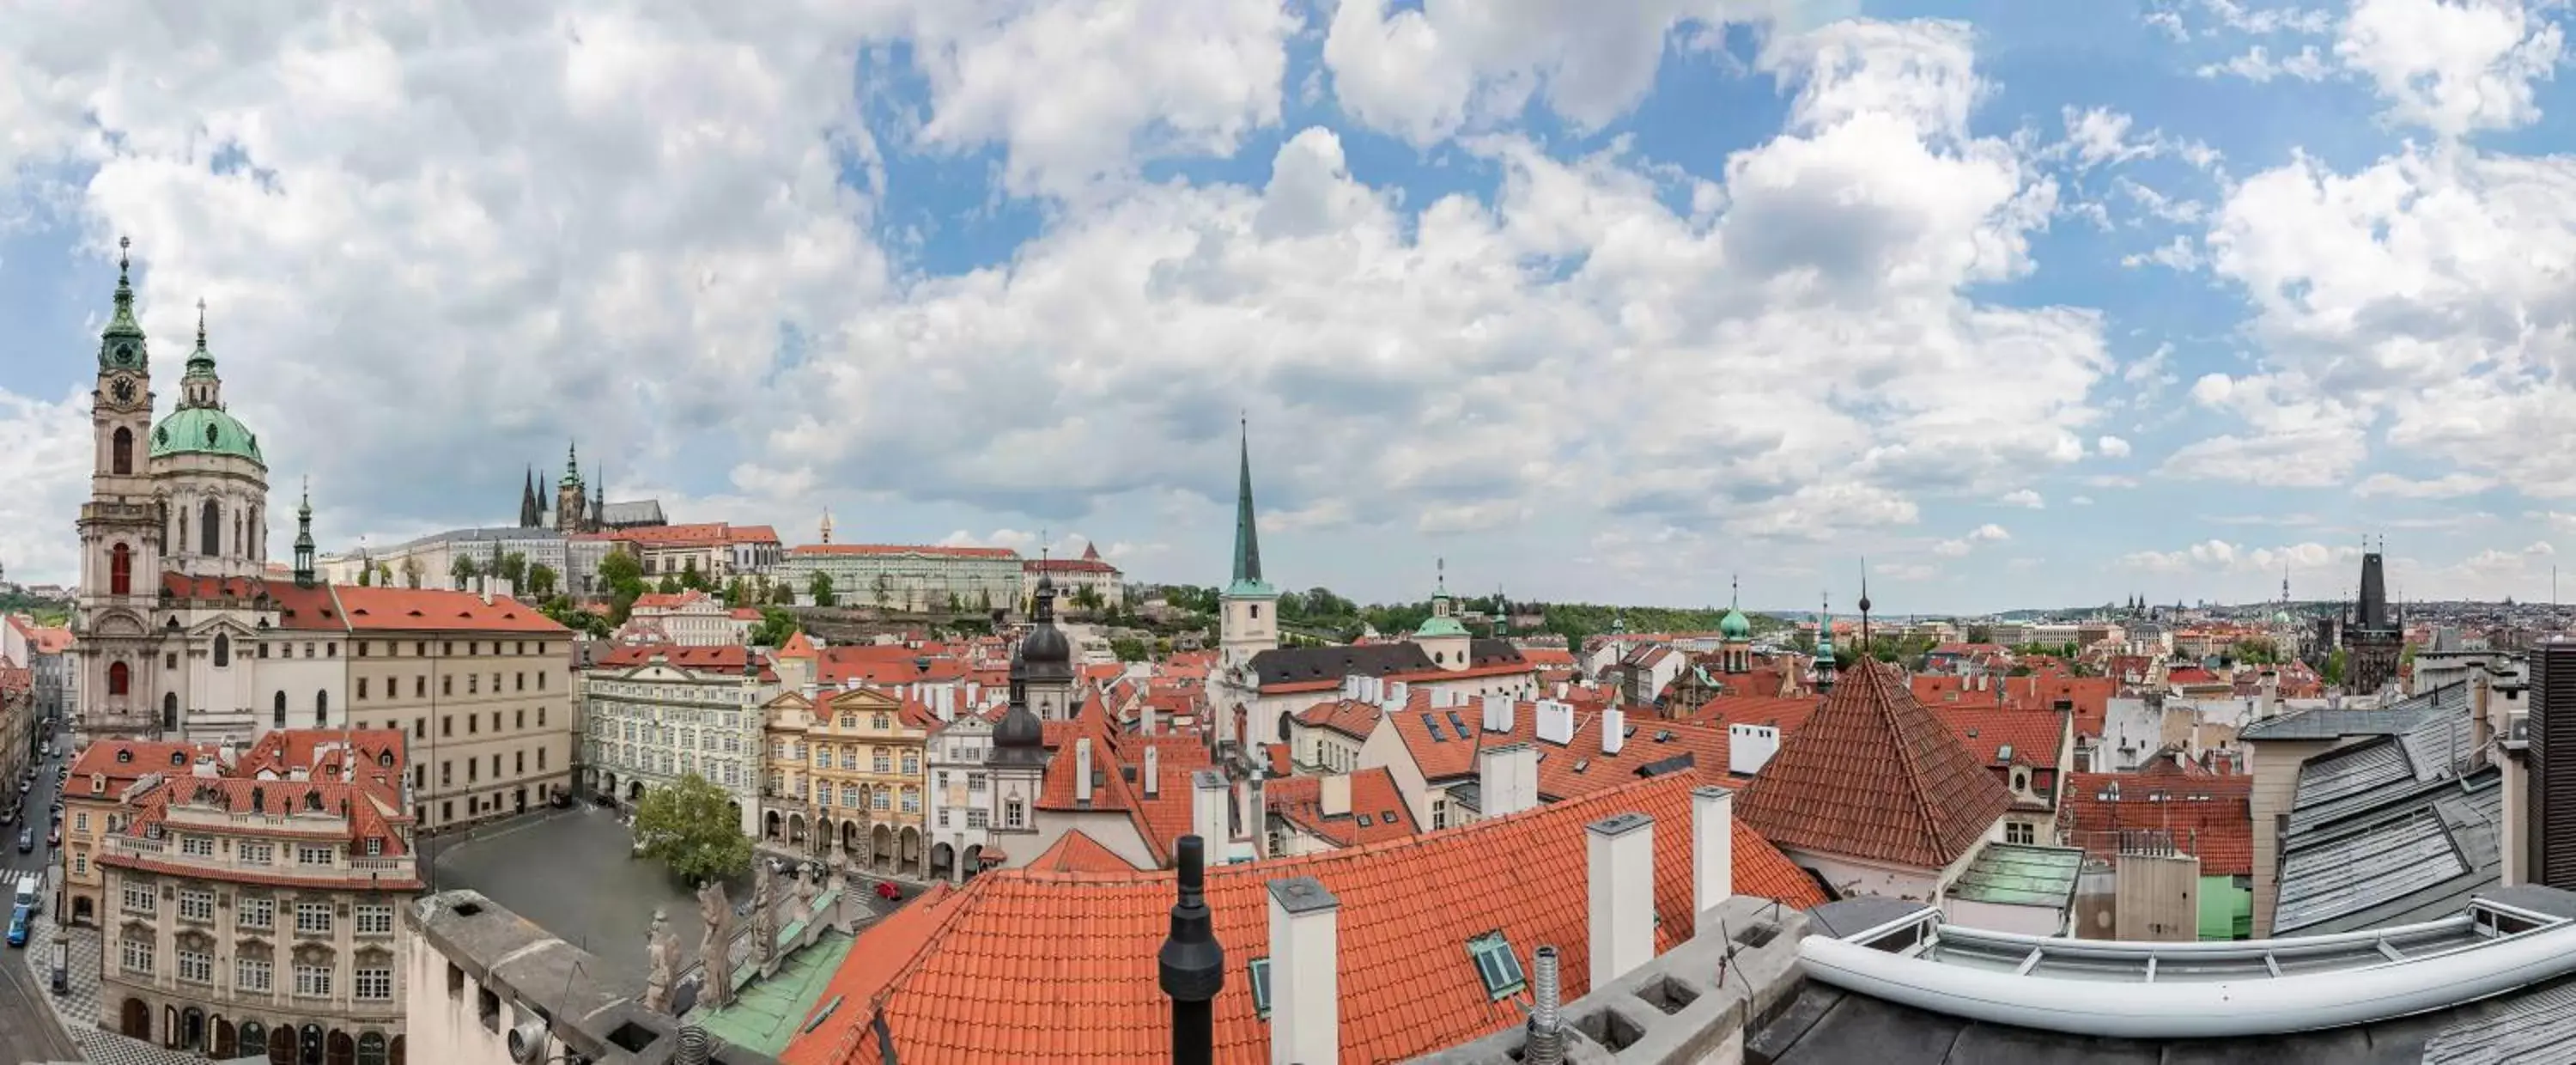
205	431
1019	730
1734	626
1046	645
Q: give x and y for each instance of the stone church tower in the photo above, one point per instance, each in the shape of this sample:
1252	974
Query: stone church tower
572	504
121	531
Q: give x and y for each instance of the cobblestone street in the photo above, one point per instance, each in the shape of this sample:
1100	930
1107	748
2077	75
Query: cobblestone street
572	872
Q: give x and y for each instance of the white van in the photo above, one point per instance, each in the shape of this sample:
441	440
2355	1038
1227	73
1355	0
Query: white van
31	889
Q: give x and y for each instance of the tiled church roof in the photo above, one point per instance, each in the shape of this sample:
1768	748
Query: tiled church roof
1874	775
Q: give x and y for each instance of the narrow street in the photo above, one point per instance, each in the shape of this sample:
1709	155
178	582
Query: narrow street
29	1029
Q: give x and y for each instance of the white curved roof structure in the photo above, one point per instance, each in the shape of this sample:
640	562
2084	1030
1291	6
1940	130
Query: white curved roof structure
2188	989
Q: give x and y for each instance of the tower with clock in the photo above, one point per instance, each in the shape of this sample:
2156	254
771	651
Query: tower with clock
121	529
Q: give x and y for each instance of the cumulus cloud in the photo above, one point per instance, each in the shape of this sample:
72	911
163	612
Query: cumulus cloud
2453	67
2112	447
2024	497
2447	486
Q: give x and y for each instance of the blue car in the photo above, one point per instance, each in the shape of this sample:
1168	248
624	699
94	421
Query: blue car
18	926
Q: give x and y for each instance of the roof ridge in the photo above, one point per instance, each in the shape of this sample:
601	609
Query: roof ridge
1919	786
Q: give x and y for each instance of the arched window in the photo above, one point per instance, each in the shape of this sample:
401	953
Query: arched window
321	708
223	650
210	530
277	712
120	570
169	710
118	677
121	451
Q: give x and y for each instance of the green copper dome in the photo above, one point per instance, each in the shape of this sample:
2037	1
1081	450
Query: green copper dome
204	431
1734	626
1440	625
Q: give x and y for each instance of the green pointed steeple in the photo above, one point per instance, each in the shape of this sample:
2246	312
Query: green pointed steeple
572	463
121	345
201	363
1824	644
1247	539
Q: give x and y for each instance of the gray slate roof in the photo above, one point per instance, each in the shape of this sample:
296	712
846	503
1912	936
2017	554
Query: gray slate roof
2325	723
2396	829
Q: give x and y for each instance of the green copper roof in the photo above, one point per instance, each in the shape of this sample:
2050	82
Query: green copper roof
1734	626
2016	874
1440	625
1251	590
121	345
201	363
204	431
765	1014
1247	540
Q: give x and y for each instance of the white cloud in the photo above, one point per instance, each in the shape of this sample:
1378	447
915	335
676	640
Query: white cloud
1906	571
2112	447
2081	501
2448	486
2453	66
1988	533
2258	65
2024	497
45	456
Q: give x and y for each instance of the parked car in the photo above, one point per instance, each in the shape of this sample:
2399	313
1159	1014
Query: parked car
887	891
26	840
18	927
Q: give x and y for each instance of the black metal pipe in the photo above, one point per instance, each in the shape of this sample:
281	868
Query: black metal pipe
1192	961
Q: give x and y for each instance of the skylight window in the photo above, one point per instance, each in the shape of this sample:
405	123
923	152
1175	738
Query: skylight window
1663	735
1496	965
1364	820
1259	970
1581	764
1433	727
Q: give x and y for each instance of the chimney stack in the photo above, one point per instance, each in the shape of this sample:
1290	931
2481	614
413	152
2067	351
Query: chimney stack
1082	771
1622	852
1498	713
1712	850
1546	1040
1145	718
1337	795
1506	779
1153	771
1208	807
1305	966
1191	966
1614	730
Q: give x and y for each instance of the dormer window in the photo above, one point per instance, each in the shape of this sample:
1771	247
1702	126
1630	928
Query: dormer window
1258	973
1496	965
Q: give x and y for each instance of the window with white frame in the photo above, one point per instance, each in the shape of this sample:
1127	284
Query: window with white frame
250	974
313	918
138	898
255	853
196	968
257	913
374	985
375	920
135	956
197	846
196	905
313	855
313	981
978	817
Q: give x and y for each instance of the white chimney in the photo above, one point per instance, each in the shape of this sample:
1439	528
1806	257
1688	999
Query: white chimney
1208	818
1305	968
1498	713
1256	813
1082	770
1556	722
1506	779
1153	771
1614	730
1398	691
1350	686
1712	849
1145	719
1337	795
1622	852
1750	747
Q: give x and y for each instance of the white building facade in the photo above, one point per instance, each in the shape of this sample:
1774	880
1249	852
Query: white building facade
653	714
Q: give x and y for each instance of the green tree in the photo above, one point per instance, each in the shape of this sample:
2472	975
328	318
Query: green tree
1087	597
541	580
1981	634
623	576
412	573
367	576
463	569
1128	649
775	627
570	615
670	585
384	575
2334	671
782	594
514	569
820	588
691	579
690	826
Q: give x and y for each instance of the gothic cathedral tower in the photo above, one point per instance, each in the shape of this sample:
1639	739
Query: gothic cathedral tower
121	529
1248	623
571	503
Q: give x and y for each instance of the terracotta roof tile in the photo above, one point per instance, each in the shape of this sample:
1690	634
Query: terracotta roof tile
1373	795
2033	736
417	609
929	550
1874	775
2210	815
1024	967
720	658
1077	852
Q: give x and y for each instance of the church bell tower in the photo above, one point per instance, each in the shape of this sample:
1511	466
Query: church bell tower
121	529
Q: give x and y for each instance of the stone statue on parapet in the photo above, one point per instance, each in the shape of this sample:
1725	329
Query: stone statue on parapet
764	918
662	960
715	953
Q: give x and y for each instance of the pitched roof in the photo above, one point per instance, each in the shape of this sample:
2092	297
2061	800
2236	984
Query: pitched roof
420	609
1024	966
2207	815
1998	736
1077	852
1377	811
722	658
1874	775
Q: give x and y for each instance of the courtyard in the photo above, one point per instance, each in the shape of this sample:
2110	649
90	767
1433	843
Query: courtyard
572	872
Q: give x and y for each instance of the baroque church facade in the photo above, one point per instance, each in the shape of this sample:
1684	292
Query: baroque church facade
178	631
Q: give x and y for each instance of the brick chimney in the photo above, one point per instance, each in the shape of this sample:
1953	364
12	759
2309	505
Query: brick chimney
1712	848
1337	794
1082	770
1305	968
1622	852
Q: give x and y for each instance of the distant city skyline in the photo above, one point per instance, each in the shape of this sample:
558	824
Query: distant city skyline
2076	304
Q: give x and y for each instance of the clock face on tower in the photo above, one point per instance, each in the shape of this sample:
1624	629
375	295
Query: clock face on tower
123	390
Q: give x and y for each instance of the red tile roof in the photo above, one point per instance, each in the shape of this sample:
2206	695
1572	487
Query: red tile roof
1029	967
2034	736
417	610
672	601
1076	852
123	762
1351	717
932	550
720	658
699	533
2207	815
1873	775
1373	796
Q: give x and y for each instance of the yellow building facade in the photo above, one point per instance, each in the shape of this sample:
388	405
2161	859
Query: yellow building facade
846	776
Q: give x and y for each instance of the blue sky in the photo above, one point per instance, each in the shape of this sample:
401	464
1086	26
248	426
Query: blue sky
2025	304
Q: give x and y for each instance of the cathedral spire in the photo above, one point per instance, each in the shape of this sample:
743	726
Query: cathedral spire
121	325
1247	539
304	538
1824	643
572	463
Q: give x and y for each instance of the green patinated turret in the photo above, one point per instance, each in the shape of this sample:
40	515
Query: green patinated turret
1440	623
121	345
200	425
1247	581
1734	626
1824	646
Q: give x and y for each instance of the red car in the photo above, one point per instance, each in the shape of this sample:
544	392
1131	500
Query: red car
887	891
